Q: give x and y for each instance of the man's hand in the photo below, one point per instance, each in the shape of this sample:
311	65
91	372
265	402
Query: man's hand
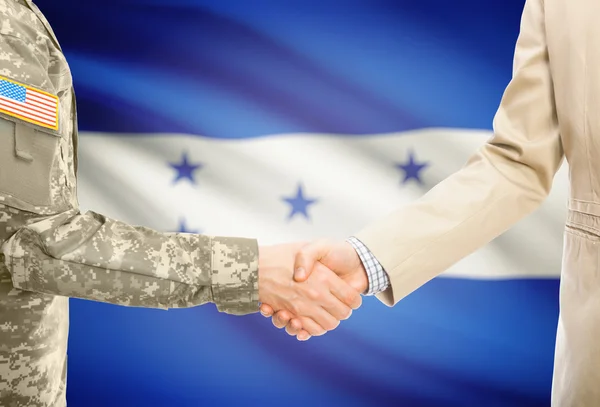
337	256
318	303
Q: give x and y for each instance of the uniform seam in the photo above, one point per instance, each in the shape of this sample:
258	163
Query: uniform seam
213	285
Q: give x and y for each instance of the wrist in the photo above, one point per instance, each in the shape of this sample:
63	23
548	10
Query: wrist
264	256
275	268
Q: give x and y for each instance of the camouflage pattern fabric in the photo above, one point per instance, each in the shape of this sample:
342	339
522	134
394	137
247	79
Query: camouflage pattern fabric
51	251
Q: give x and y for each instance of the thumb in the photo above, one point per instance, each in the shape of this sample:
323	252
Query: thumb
306	259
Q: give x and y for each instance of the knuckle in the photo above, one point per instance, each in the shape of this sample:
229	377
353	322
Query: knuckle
350	298
297	308
296	324
313	294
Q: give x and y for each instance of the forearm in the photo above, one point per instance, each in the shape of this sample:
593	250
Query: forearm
461	214
504	181
93	257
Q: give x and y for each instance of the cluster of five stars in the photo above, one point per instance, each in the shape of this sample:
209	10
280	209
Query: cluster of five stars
299	203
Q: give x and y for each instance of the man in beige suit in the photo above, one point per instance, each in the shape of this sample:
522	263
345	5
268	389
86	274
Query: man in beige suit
550	109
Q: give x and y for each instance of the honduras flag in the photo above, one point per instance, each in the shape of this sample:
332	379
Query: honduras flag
287	120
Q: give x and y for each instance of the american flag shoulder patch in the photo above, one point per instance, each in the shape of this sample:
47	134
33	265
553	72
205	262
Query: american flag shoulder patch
29	104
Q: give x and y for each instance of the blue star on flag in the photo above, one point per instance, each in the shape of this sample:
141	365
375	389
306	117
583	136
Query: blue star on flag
412	169
299	203
185	169
183	227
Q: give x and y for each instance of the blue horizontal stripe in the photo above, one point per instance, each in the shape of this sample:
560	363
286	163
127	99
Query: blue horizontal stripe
248	69
454	342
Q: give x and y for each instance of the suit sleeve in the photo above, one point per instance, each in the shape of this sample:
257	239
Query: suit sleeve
507	179
93	257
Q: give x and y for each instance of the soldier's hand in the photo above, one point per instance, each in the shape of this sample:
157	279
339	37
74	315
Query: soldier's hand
338	256
318	304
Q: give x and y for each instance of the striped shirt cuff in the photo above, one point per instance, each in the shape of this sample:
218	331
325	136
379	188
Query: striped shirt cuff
378	278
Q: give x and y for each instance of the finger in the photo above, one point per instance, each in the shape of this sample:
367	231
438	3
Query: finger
266	310
303	336
294	327
344	292
307	257
311	327
321	317
340	297
335	308
281	319
295	324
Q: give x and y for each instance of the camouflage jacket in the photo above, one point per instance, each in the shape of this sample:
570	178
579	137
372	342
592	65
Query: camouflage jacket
52	251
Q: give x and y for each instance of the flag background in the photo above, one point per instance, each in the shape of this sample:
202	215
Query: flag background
295	120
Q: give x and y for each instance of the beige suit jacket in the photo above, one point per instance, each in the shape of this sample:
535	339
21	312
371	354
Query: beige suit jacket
550	110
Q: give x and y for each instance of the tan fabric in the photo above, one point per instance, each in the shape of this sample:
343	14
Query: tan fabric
50	251
550	109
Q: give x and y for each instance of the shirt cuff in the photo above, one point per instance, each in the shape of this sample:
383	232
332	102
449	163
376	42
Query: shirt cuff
378	279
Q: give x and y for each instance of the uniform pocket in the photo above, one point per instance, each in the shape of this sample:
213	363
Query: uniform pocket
27	157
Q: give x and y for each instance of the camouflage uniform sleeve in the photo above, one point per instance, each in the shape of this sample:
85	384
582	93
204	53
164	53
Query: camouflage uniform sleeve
60	250
93	257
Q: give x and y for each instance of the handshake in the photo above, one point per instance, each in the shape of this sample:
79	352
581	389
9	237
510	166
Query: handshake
310	288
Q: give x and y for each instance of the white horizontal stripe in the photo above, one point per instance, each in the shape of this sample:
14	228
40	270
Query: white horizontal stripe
50	112
46	108
42	98
46	113
240	187
25	106
11	108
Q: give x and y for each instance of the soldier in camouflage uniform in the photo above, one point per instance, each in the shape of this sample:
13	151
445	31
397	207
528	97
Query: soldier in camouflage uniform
51	251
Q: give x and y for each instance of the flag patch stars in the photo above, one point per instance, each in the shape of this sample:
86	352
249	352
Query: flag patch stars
412	169
185	169
299	203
